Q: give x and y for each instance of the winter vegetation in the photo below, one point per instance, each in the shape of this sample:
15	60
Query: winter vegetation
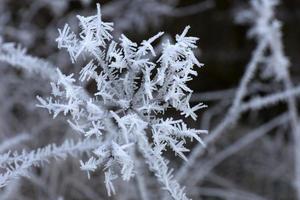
129	112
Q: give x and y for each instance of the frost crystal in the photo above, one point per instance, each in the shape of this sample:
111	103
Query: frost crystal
133	86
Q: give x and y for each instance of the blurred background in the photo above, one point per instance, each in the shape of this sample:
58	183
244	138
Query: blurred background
260	168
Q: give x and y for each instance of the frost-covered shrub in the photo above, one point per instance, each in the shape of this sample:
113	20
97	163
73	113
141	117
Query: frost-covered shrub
134	86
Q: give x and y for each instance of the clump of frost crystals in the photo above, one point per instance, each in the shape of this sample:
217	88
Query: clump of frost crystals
133	87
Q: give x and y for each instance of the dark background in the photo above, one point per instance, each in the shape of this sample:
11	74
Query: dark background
225	51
